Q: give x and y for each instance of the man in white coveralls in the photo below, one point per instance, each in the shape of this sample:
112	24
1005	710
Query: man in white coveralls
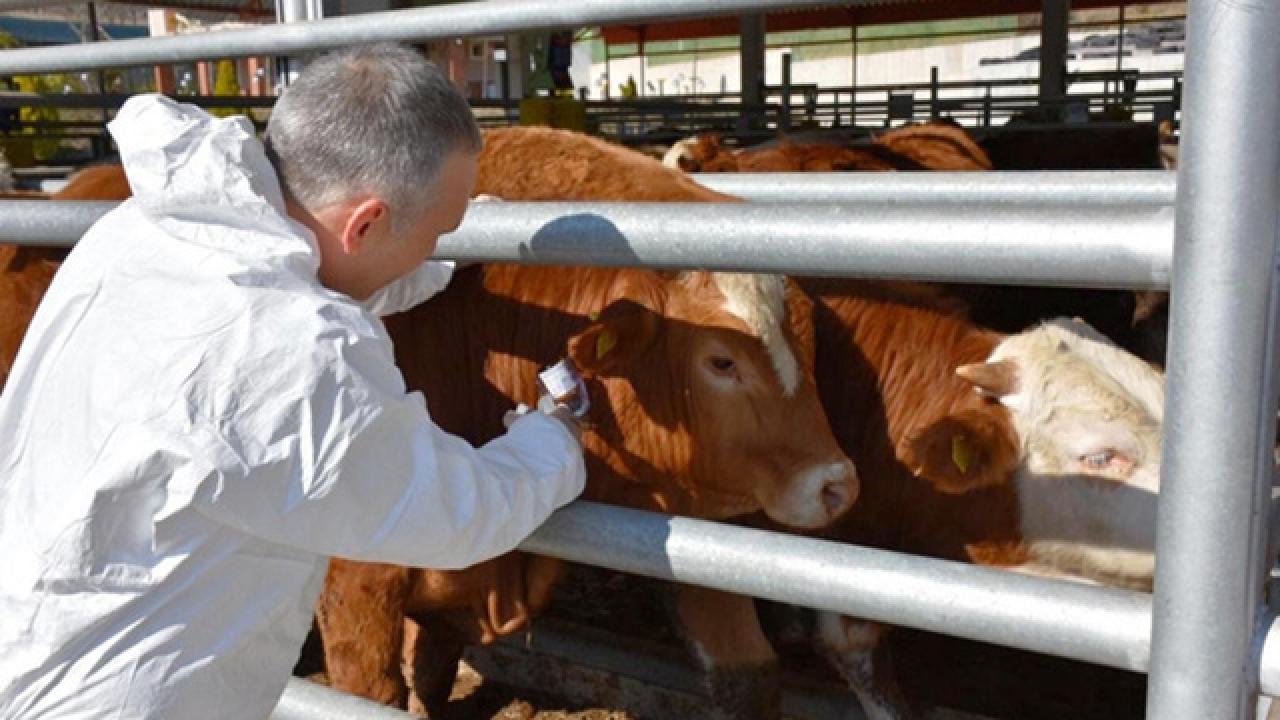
206	405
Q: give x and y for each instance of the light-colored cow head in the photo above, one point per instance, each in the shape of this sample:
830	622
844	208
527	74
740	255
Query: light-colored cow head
1088	417
709	378
701	153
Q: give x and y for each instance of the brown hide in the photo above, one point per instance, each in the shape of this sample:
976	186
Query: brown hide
936	146
578	167
505	322
25	274
98	182
887	354
931	146
787	156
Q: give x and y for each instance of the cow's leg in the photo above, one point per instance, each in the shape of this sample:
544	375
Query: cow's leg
451	610
725	636
854	647
361	620
433	647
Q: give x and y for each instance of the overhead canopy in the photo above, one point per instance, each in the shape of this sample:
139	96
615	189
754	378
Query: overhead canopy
33	31
124	32
841	16
244	8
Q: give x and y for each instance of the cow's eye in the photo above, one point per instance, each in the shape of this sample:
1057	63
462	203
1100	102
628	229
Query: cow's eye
1098	460
722	364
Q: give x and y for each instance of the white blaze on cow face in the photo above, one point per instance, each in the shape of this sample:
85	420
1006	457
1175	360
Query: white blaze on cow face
679	151
1088	417
760	301
754	407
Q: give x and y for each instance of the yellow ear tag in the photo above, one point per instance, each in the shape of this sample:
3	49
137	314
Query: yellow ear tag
593	317
605	342
961	452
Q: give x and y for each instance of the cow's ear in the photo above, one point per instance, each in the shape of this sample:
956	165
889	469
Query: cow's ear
964	451
614	339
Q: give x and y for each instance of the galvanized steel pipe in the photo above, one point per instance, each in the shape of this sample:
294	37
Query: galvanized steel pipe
1219	421
1094	624
1136	187
1102	246
36	222
305	700
486	17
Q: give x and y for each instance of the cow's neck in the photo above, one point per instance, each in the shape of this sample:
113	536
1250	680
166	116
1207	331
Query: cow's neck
505	323
885	366
895	352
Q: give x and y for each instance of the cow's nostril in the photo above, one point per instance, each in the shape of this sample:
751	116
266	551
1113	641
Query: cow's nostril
837	496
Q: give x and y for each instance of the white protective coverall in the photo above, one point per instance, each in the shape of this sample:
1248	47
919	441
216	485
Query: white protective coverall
194	423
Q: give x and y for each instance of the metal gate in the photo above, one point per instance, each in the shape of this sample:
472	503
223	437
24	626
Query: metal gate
1205	636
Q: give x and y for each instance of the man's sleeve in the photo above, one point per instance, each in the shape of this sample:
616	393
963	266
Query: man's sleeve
413	289
373	478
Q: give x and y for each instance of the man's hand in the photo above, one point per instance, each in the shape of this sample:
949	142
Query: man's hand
551	410
565	416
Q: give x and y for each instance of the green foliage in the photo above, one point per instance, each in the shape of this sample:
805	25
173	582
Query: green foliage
227	84
42	148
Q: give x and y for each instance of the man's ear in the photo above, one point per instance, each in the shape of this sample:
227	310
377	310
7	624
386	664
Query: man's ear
965	451
614	340
368	220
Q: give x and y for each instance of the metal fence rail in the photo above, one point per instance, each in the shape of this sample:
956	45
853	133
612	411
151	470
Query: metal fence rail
1096	624
486	17
1099	625
1073	189
1080	245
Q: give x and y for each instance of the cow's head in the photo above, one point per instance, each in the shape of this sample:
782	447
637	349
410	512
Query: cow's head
701	153
1088	418
709	378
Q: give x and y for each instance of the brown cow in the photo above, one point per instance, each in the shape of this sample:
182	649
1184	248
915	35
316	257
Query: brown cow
931	146
1138	322
937	145
704	404
1051	468
683	456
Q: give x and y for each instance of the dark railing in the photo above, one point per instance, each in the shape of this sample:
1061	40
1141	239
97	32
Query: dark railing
1127	95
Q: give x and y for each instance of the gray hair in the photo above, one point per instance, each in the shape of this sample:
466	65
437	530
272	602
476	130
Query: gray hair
375	119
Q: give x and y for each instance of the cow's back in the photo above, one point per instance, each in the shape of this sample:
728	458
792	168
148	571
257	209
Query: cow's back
937	146
577	167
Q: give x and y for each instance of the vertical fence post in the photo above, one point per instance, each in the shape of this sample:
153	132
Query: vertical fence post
289	11
1220	420
933	92
784	120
